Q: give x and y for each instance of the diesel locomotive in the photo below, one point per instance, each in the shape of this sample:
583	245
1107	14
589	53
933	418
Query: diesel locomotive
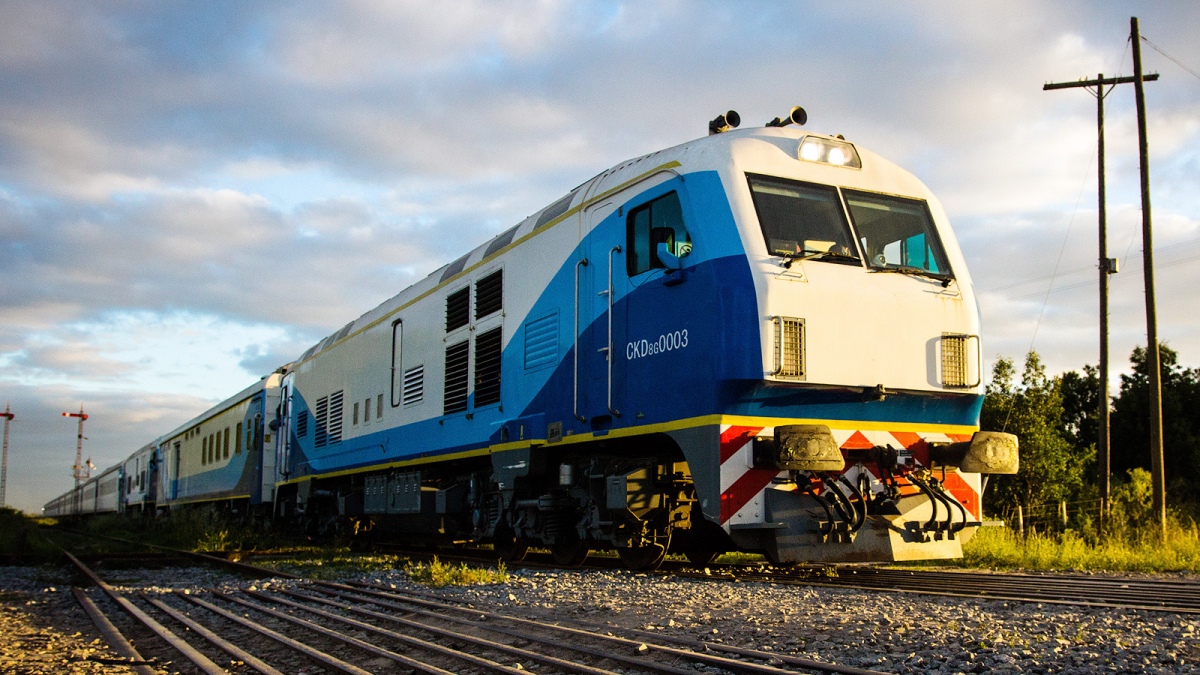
765	339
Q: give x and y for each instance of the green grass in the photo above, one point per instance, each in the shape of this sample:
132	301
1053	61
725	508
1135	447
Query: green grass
1139	551
328	564
437	573
21	540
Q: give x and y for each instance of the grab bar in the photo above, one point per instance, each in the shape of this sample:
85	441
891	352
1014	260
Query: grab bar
581	263
608	351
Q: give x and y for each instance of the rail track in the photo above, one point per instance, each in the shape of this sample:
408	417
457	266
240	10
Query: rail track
357	628
1123	592
1161	595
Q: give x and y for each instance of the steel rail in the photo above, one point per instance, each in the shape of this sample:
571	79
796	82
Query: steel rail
719	661
1160	595
332	634
558	644
441	632
252	570
112	635
191	653
317	655
1106	593
414	641
740	651
218	641
1121	582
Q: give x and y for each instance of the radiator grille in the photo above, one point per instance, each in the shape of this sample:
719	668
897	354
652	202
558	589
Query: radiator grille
458	309
487	367
335	417
455	399
302	424
414	385
489	294
321	433
954	360
789	348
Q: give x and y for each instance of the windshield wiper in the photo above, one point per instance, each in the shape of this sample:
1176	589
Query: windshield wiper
945	279
821	255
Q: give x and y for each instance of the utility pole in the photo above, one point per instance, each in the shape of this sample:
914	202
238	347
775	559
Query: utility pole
8	417
1153	364
1107	265
78	468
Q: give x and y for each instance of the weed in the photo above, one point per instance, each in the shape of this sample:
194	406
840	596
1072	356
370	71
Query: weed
1118	550
739	558
437	573
213	541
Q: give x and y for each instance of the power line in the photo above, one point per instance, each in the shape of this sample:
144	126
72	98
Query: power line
1172	58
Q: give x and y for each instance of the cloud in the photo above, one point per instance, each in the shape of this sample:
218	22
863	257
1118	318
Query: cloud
191	195
42	442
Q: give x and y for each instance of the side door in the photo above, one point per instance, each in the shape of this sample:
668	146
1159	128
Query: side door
283	438
665	304
603	284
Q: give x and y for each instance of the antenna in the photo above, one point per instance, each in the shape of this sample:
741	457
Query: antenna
78	468
8	417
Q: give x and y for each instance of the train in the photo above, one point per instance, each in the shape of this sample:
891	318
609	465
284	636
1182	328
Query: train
764	339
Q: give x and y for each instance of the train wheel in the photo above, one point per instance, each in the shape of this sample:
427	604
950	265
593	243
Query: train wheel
508	548
642	558
570	550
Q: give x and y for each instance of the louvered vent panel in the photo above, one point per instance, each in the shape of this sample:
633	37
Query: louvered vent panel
487	367
541	342
335	417
789	348
414	385
489	294
302	424
458	309
321	434
455	399
954	360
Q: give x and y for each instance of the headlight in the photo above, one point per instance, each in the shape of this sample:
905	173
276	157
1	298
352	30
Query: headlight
829	151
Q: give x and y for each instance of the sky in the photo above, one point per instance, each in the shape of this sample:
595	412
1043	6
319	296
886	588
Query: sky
191	194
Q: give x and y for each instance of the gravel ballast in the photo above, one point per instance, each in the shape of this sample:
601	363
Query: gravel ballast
43	630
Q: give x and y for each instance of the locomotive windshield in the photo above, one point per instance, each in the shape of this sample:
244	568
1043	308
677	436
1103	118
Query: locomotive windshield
897	234
802	220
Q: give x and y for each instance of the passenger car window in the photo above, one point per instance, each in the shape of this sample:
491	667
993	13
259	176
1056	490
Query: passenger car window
656	222
802	220
897	233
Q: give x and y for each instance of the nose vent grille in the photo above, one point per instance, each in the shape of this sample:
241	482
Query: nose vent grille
957	362
789	348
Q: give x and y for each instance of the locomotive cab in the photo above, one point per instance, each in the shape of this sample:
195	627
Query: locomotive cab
857	439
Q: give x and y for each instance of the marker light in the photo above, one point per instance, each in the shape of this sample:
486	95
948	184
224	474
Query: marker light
829	151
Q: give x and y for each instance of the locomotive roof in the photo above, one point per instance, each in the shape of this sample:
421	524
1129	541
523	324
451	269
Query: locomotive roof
558	210
696	153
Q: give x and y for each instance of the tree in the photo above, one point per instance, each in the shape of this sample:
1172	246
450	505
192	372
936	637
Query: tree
1052	468
1181	418
1081	407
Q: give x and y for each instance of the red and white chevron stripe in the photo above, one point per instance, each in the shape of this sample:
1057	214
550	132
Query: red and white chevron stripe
742	485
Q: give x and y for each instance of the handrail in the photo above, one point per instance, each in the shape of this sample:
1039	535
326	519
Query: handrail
575	338
608	351
777	320
978	360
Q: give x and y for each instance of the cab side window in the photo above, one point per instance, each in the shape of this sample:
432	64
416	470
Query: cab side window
656	222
